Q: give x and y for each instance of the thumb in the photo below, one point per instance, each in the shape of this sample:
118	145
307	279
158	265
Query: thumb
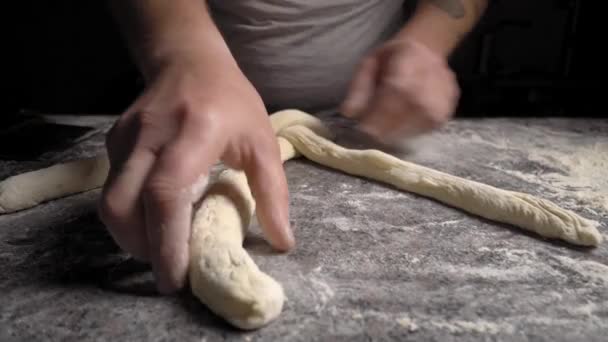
361	89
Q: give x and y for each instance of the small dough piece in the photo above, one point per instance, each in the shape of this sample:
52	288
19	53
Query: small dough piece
32	188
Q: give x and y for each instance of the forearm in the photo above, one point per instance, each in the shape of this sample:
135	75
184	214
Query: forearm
159	31
442	24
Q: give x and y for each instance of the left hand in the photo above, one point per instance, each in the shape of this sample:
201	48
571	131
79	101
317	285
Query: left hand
401	90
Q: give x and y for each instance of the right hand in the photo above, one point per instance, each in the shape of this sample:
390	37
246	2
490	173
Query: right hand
190	116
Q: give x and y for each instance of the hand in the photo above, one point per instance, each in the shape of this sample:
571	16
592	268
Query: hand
161	149
401	90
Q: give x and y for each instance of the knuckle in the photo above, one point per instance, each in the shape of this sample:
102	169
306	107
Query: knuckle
111	211
201	116
266	151
146	119
160	189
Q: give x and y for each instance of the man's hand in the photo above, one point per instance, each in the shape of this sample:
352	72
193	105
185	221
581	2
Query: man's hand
406	87
198	108
161	149
401	90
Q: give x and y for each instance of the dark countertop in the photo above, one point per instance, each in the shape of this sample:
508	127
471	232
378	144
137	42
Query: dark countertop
371	263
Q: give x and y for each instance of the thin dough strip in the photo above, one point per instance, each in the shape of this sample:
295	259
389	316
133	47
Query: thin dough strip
29	189
519	209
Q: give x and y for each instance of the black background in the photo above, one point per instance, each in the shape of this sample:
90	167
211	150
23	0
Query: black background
526	57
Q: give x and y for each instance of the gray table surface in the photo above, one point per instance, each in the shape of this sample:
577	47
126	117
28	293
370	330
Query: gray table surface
372	263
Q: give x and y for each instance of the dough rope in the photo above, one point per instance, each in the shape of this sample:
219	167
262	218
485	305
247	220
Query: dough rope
225	278
519	209
29	189
222	274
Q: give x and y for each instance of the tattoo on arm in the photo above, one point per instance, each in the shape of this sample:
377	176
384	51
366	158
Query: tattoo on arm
454	8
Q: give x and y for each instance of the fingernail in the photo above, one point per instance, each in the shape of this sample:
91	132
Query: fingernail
287	234
291	240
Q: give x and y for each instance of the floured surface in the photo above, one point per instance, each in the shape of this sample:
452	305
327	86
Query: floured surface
371	263
570	164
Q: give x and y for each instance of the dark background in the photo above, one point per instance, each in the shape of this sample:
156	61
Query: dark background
526	57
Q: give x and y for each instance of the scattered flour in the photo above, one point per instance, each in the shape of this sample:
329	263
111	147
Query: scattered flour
354	224
344	224
324	293
401	318
407	323
584	310
591	270
512	273
480	326
583	174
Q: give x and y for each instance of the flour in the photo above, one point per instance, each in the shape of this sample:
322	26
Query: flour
323	291
584	310
506	274
479	326
407	323
581	177
586	173
510	265
589	269
401	318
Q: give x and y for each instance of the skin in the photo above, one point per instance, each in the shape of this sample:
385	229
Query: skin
405	87
198	108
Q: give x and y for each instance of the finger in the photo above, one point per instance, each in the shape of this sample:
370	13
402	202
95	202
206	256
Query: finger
168	198
121	139
361	89
120	207
268	184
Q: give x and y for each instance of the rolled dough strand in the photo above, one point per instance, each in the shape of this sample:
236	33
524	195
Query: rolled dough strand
519	209
29	189
222	275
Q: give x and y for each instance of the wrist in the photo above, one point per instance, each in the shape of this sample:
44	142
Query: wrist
159	33
437	29
424	32
191	51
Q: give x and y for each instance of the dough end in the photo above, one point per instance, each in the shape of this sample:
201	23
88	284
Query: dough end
263	311
590	235
230	284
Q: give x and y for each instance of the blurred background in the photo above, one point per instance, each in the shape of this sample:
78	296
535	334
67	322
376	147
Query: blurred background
530	58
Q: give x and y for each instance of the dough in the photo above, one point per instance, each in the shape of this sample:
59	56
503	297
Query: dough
31	188
519	209
225	278
222	275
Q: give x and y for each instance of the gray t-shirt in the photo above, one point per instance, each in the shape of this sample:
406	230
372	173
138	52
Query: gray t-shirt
302	53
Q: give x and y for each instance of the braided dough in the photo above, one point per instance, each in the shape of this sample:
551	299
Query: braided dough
225	278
